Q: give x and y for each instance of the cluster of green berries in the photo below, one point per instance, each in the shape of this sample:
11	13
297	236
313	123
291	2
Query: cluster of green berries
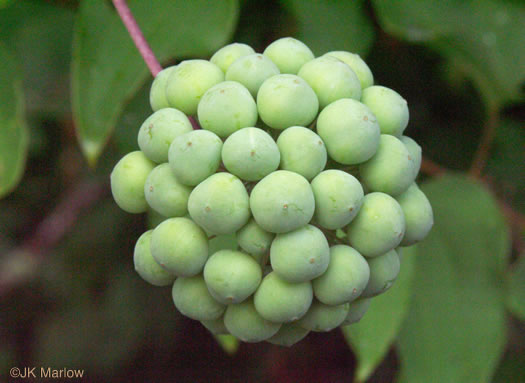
301	162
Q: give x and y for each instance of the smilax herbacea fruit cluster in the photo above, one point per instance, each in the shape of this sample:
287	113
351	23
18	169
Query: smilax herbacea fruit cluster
301	163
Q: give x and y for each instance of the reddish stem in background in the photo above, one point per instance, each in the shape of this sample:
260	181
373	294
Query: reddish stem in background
137	36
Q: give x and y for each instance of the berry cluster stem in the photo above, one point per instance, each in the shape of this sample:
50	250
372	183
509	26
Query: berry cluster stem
137	36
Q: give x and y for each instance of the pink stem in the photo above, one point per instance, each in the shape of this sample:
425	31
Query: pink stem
137	36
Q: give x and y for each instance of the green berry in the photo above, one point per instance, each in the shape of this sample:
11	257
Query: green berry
159	130
338	198
254	239
165	194
226	108
232	276
146	266
323	318
300	255
302	151
418	213
250	154
245	323
414	150
286	100
127	182
251	71
378	227
280	301
389	107
157	94
358	65
288	54
390	170
194	156
282	201
349	130
345	278
331	79
358	309
220	204
288	335
215	326
383	273
228	54
180	246
188	83
192	299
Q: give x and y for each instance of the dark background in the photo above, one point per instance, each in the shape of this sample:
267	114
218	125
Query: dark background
69	296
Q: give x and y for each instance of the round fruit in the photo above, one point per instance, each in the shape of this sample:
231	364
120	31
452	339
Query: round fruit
390	170
226	108
288	335
345	278
250	154
302	151
127	182
331	79
282	201
159	130
192	299
286	100
232	276
418	213
188	83
194	156
244	322
379	226
389	107
146	266
180	246
157	94
165	194
300	255
414	150
251	71
323	318
338	198
383	273
215	326
228	54
280	301
288	54
254	239
349	130
358	309
358	65
220	204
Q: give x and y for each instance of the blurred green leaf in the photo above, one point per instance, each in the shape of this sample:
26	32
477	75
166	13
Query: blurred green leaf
516	288
134	114
332	25
40	34
107	68
483	39
13	130
371	337
506	164
455	328
228	342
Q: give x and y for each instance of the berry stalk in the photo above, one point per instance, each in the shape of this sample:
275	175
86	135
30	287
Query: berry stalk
137	36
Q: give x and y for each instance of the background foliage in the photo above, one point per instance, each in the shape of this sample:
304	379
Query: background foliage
73	93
